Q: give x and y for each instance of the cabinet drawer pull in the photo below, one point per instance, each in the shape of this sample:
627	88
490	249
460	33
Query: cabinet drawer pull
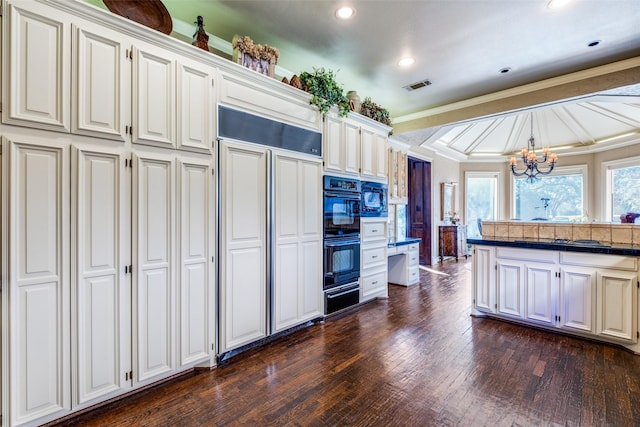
374	231
374	256
374	282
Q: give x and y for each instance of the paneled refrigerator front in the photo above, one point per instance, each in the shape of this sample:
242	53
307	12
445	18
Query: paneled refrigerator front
270	229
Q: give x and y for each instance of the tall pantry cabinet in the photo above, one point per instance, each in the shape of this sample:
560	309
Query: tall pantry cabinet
107	210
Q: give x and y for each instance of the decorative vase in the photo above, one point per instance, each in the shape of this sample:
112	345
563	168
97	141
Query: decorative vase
200	37
354	101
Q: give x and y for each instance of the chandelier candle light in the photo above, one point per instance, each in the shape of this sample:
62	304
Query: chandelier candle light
530	159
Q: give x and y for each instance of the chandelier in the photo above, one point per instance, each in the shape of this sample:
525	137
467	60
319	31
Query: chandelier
531	161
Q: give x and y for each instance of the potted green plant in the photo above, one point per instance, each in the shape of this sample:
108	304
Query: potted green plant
374	111
326	91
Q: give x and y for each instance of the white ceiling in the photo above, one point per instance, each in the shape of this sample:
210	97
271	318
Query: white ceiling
459	45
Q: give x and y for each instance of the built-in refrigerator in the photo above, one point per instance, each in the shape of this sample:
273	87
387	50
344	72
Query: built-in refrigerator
270	227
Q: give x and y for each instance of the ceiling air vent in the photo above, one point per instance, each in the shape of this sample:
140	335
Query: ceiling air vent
417	85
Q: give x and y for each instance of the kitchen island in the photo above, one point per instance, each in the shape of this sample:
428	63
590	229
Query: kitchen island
582	287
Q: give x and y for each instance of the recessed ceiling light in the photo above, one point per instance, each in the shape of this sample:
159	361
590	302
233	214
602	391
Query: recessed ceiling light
406	61
505	70
555	4
345	12
594	43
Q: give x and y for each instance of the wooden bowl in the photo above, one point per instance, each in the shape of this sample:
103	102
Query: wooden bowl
151	13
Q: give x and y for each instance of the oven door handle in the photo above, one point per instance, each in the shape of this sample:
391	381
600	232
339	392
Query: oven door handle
341	243
329	194
348	291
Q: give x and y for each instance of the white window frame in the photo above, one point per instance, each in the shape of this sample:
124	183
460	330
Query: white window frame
497	206
607	179
558	171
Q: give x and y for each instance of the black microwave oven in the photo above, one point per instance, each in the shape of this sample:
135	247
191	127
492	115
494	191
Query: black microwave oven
373	199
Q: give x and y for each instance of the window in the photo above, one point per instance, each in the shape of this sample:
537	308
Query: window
623	188
481	200
557	197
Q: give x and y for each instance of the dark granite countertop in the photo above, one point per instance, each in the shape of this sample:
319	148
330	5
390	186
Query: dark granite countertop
401	242
561	245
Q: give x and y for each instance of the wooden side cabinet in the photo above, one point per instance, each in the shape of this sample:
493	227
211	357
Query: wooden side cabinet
452	241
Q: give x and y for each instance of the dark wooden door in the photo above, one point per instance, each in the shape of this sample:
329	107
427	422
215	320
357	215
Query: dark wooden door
419	208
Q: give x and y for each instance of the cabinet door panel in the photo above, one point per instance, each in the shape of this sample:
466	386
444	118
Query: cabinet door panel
153	98
100	91
617	304
541	293
310	190
298	237
352	148
38	77
334	153
194	201
99	287
288	221
243	187
510	288
311	278
195	114
577	298
484	279
368	154
153	290
39	338
381	157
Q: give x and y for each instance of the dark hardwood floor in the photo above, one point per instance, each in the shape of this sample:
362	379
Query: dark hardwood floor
416	359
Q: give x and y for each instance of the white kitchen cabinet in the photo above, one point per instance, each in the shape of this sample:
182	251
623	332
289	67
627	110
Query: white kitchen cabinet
173	97
341	146
617	308
255	93
511	288
587	294
298	240
542	288
100	295
101	91
404	264
397	171
243	245
577	298
353	148
154	290
36	67
196	104
368	161
36	349
154	84
373	258
374	160
484	279
196	273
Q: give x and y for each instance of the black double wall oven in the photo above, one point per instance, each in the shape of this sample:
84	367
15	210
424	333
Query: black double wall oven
342	202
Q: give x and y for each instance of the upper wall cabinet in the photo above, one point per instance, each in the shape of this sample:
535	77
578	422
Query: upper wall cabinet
96	81
196	101
154	120
373	154
36	67
354	148
341	146
101	89
398	188
251	94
